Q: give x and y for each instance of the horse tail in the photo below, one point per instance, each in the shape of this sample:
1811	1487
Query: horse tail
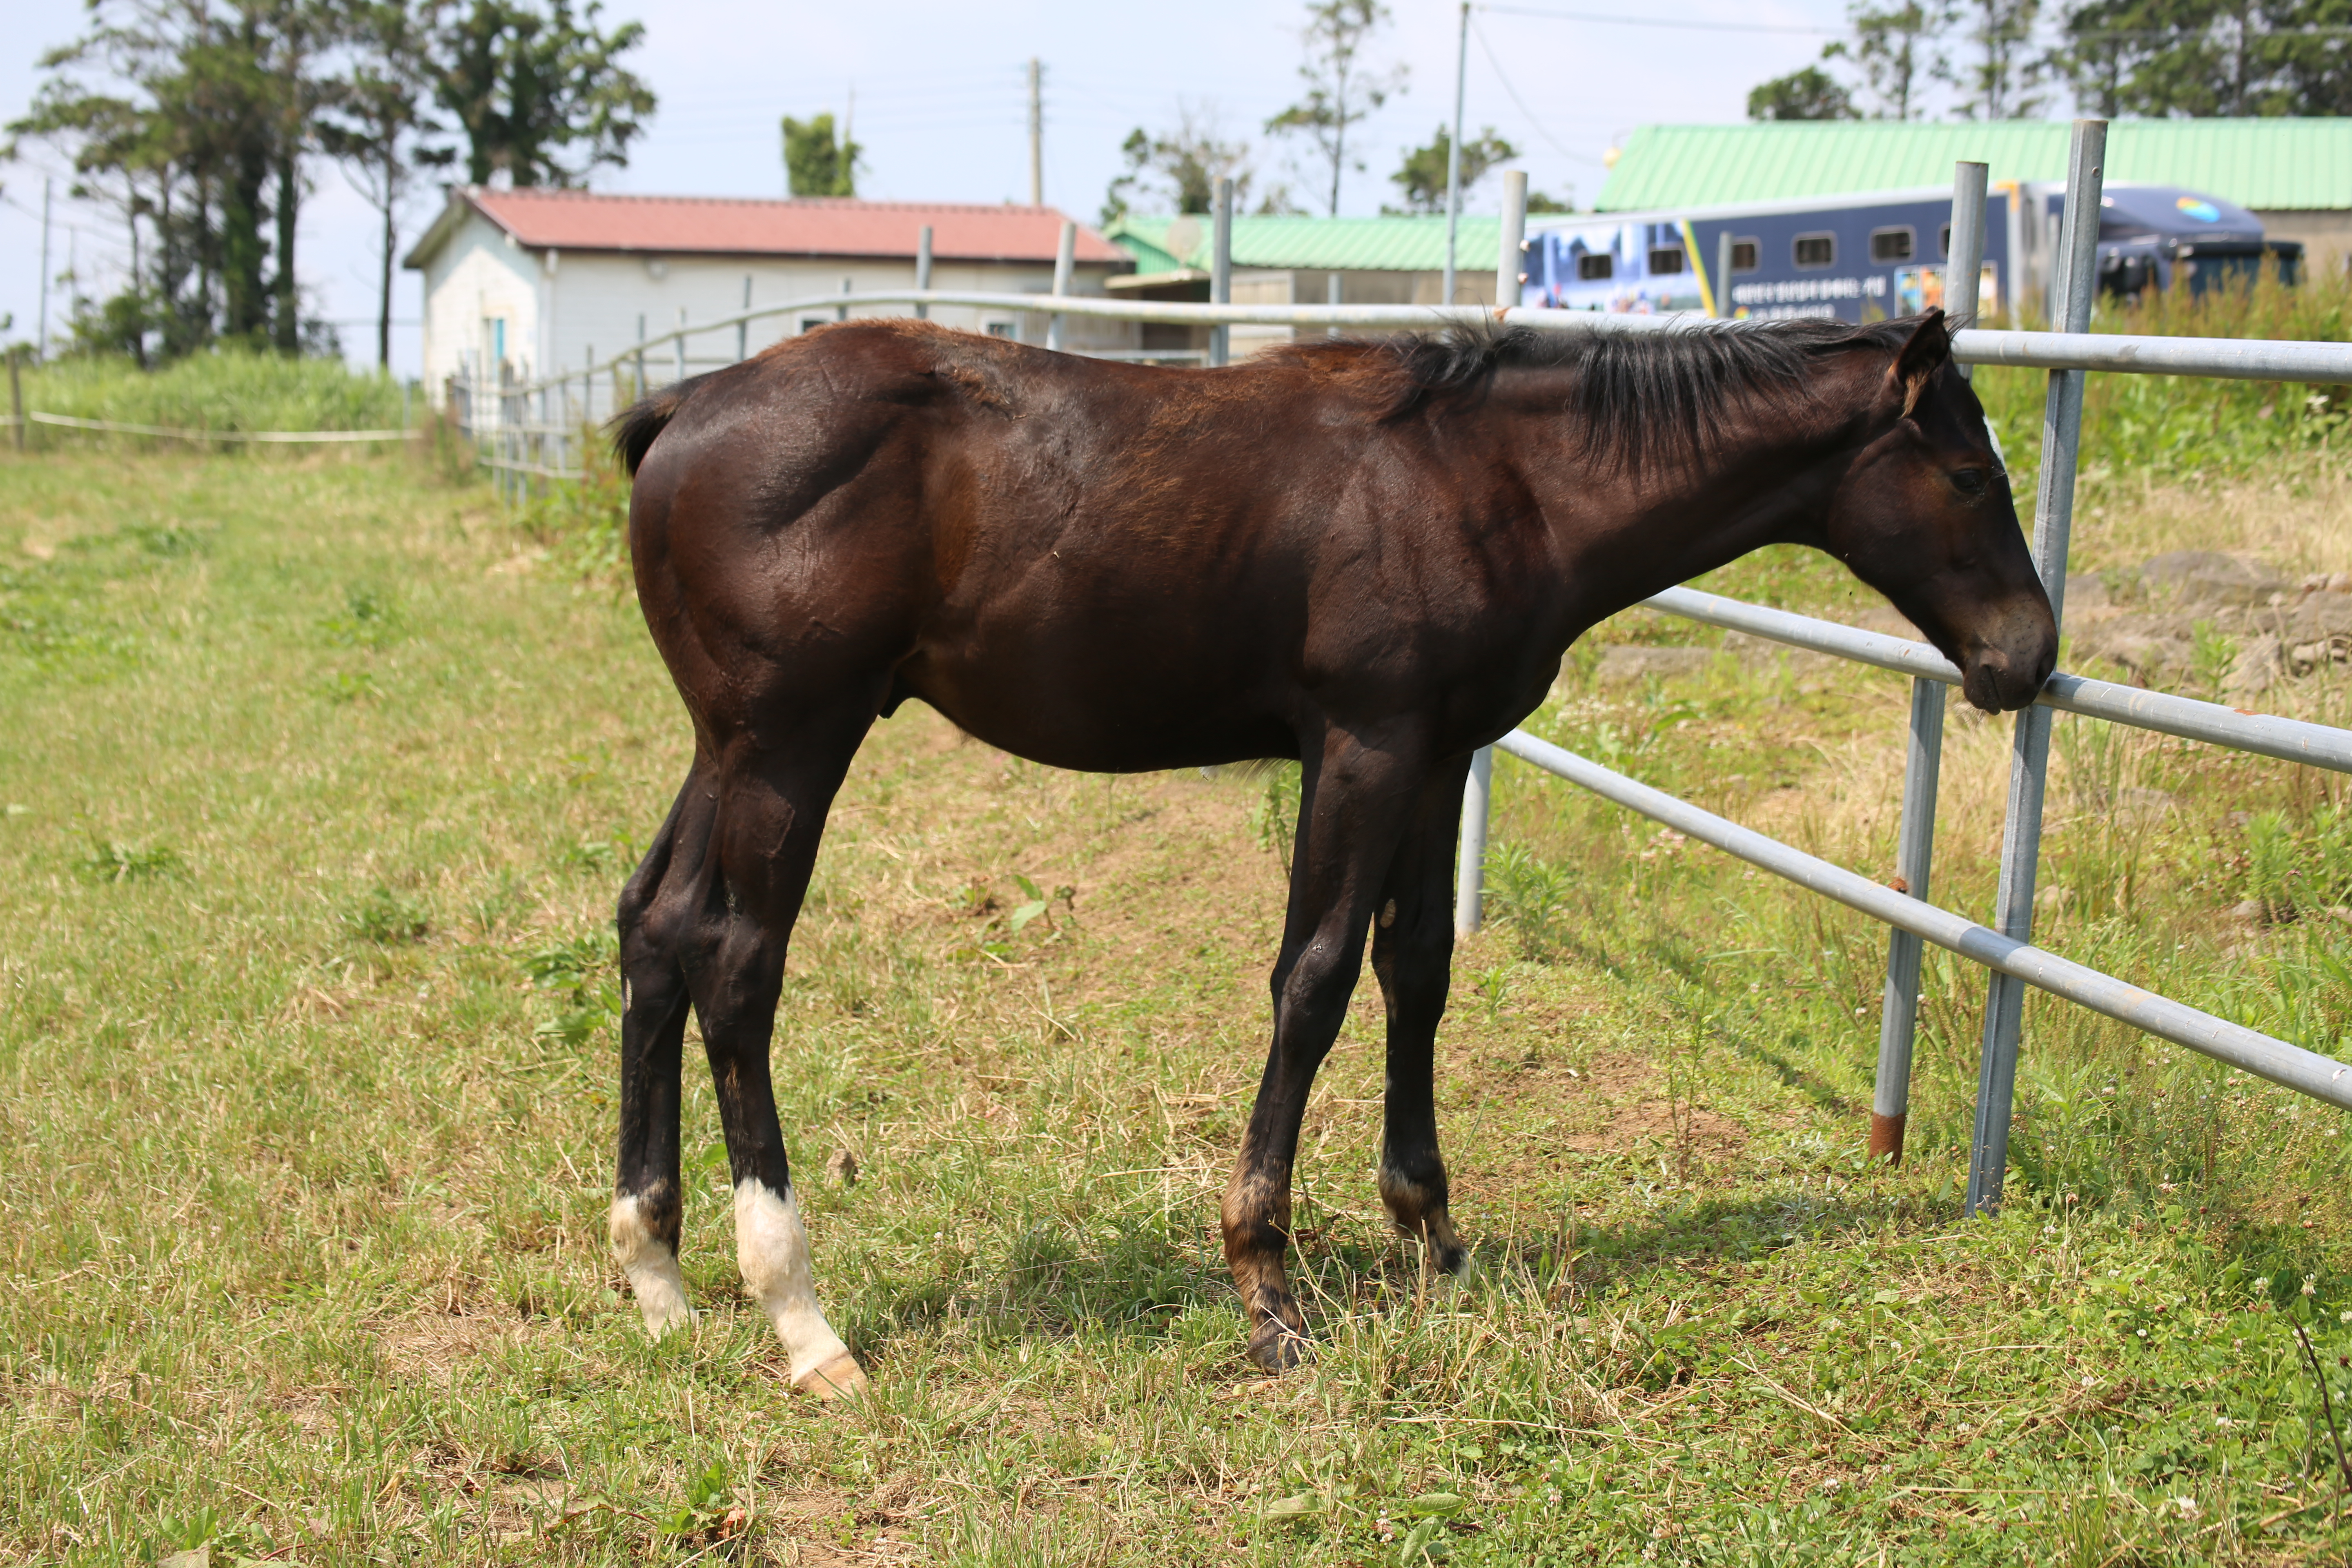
634	427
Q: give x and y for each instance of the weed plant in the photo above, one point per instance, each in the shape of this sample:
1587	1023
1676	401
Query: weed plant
322	777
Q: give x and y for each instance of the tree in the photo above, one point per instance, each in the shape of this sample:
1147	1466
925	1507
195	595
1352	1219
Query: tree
192	118
2197	57
1808	94
543	99
1895	50
1999	84
1341	92
1421	176
1179	168
815	165
379	124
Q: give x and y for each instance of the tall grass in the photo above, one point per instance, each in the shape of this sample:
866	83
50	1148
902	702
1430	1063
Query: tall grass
229	390
2185	428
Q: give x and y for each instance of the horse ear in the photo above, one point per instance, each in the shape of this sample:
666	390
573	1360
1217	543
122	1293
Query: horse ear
1929	345
1920	358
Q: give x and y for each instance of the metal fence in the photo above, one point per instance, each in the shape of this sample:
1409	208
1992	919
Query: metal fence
527	430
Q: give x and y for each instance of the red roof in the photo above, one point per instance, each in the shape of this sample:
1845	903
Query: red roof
591	220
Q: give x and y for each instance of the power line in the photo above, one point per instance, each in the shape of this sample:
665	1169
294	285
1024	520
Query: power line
1523	109
1674	22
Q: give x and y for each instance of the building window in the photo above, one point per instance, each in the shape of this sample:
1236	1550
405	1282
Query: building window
811	323
1890	245
1814	250
1747	255
498	334
1596	269
1665	260
998	328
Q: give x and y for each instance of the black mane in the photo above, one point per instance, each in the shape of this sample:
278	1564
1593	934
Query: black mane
1632	390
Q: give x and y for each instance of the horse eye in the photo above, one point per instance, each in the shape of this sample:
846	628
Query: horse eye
1969	481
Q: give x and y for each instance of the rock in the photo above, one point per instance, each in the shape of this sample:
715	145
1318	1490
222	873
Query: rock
2210	577
842	1168
1623	664
2086	591
2306	656
2256	667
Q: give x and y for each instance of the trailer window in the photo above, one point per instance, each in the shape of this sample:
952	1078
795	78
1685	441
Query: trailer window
1816	251
1944	241
1597	268
1891	244
1747	255
1664	260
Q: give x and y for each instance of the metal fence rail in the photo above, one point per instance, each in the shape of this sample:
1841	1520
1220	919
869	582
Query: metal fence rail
527	429
2304	1071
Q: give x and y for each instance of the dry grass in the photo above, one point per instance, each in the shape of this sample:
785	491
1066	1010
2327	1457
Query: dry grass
303	1208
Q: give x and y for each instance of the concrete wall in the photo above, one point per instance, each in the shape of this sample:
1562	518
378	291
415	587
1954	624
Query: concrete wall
564	309
2326	235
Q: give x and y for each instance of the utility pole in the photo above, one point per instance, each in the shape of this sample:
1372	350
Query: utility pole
44	339
1454	150
1036	138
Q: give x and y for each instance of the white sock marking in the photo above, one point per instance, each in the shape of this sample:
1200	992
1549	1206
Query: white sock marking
772	1250
652	1268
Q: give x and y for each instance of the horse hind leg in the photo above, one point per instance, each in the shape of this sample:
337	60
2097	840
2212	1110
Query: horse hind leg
771	816
657	917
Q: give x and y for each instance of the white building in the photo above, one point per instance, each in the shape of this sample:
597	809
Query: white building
539	280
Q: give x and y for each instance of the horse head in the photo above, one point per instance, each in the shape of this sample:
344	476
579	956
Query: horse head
1924	516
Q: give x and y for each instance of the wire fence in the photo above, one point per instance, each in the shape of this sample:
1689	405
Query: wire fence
527	430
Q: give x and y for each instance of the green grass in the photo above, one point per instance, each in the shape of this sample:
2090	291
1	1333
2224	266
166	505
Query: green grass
320	777
224	389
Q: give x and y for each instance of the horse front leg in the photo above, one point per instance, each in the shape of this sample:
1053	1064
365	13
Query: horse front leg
1354	800
1412	955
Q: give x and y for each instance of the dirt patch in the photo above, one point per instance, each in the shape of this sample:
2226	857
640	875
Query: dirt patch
432	1345
1665	1122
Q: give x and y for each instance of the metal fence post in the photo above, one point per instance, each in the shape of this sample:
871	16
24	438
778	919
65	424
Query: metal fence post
17	397
1964	264
1066	262
639	389
1221	267
1510	259
2020	849
1915	853
923	271
1477	794
743	329
841	312
681	342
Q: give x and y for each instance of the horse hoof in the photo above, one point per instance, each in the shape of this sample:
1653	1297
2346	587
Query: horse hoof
837	1379
1278	1349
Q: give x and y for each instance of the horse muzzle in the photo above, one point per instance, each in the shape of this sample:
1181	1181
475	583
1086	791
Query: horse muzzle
2008	670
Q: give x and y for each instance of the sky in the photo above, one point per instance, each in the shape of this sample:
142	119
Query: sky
940	105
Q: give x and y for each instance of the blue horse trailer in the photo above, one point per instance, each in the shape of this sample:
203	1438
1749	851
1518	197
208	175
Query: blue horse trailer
1867	258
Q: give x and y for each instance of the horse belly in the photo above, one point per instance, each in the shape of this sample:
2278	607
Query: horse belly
1100	690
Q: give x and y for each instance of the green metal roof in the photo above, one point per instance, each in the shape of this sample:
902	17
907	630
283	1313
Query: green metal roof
1335	244
2266	164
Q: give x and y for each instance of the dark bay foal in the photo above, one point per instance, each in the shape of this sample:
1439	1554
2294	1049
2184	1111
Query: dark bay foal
1368	556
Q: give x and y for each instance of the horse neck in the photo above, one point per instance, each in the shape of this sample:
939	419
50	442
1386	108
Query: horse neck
1764	476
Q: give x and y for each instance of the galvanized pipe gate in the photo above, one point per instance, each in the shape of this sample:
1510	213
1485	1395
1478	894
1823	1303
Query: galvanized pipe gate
2005	947
526	448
